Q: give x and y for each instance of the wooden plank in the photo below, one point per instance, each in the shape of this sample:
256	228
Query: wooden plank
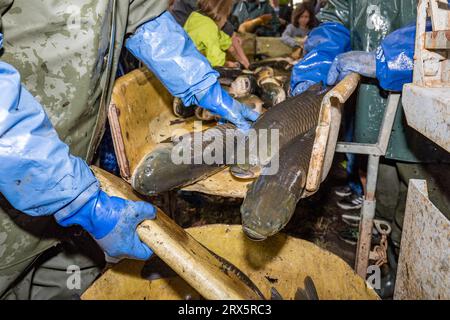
200	268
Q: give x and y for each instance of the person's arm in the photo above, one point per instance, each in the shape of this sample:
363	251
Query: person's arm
392	63
170	54
288	37
40	177
361	62
216	44
395	58
268	9
237	52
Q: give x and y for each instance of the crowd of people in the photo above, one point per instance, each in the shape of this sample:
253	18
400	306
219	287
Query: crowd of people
213	25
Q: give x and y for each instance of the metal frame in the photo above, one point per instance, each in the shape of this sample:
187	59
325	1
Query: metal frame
374	151
426	101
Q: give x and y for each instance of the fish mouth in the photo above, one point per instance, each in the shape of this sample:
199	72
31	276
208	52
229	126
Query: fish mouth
253	235
244	173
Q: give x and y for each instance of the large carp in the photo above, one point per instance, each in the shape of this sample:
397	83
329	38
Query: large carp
286	121
159	171
271	199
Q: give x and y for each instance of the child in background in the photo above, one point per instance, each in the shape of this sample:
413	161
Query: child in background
204	28
303	21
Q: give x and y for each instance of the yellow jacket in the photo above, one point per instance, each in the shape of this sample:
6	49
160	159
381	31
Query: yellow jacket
208	38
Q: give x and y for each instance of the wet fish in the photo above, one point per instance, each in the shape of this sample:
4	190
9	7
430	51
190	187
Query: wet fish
156	269
293	117
243	85
271	199
310	291
264	73
272	93
275	295
180	110
230	73
225	81
204	115
253	102
276	63
157	172
270	89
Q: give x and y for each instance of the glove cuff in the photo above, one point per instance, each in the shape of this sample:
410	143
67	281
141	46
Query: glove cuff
216	100
95	216
86	196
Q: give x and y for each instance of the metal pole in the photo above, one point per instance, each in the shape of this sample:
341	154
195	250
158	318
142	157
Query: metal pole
367	216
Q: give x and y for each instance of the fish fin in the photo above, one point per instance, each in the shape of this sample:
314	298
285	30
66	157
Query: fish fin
275	295
318	87
300	295
310	289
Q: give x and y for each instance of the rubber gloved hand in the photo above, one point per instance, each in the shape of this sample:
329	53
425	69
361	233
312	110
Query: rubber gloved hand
167	50
40	177
302	87
323	45
395	57
220	103
361	62
112	222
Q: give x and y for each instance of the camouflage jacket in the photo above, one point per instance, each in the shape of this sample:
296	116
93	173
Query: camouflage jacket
67	53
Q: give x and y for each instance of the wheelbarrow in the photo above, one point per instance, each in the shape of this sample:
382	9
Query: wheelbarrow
199	260
141	118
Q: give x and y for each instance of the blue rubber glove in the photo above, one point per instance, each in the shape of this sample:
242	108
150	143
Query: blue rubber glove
324	43
170	54
112	222
39	177
361	62
395	58
219	102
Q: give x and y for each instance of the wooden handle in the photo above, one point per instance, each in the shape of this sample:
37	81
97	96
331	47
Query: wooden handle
204	271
